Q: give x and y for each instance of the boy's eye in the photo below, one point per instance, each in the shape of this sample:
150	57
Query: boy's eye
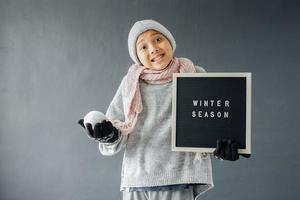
143	47
158	39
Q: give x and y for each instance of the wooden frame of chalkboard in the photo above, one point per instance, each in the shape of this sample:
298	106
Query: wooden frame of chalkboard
211	106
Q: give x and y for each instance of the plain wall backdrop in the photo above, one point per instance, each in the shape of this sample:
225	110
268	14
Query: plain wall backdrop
60	59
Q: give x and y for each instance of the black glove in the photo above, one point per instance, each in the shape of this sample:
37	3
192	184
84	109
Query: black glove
227	149
103	132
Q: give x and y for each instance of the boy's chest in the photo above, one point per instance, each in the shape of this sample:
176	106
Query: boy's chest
157	98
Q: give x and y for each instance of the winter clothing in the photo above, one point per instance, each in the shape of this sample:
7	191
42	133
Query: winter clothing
142	26
184	194
132	100
159	188
148	160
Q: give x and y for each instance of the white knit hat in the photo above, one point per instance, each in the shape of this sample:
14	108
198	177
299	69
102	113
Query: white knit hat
142	26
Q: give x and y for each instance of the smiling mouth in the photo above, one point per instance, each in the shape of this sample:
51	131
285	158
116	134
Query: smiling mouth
157	58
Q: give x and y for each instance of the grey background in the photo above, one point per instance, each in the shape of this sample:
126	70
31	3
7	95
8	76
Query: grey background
60	59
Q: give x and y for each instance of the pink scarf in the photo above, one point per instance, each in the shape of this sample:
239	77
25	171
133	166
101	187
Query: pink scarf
131	93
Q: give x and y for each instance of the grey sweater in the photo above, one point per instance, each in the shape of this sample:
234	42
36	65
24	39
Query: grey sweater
148	160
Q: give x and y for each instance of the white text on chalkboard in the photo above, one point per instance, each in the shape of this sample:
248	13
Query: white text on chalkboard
211	103
210	114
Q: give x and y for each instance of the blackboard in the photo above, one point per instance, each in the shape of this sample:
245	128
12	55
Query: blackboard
211	106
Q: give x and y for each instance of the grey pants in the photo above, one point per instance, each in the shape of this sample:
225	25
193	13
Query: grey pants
184	194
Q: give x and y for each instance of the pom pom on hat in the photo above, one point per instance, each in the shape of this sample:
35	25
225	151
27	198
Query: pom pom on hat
142	26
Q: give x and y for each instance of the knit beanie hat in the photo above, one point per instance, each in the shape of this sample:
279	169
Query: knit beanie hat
142	26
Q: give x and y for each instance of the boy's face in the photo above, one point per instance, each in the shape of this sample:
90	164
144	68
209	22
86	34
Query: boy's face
154	50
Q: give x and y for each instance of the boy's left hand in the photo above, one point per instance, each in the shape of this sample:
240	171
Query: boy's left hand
227	149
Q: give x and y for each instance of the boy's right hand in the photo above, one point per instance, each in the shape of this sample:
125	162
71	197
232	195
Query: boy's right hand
227	149
103	132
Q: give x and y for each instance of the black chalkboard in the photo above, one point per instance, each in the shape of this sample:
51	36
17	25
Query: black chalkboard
211	106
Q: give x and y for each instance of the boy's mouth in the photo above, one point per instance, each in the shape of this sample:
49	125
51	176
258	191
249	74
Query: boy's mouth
158	57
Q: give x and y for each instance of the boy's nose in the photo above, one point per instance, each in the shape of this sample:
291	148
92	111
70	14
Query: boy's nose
153	49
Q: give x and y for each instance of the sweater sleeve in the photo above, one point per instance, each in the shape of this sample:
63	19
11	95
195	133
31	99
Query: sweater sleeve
200	69
115	111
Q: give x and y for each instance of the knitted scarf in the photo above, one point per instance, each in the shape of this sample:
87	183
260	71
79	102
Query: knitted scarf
131	93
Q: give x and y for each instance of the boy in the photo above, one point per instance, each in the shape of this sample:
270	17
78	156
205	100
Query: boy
139	120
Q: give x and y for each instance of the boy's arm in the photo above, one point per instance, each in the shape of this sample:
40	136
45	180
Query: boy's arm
115	111
109	149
